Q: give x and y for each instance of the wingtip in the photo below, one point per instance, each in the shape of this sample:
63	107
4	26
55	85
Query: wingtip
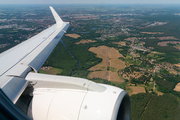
56	16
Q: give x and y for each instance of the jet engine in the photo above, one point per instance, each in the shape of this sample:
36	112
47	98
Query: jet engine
70	98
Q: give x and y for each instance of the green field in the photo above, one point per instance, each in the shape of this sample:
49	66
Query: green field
52	70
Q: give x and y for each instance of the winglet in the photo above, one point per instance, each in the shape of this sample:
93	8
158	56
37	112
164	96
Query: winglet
56	16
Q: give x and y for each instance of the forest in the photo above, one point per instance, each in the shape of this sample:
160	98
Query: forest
152	107
166	82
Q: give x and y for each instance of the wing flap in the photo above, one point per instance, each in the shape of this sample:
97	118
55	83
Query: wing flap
14	88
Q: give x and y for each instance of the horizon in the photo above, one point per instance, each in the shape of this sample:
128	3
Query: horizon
90	2
95	4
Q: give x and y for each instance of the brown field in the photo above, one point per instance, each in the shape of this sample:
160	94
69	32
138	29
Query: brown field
99	74
107	75
73	35
152	32
159	93
120	43
177	64
85	41
154	52
110	59
177	88
131	39
150	54
114	77
172	71
136	90
133	75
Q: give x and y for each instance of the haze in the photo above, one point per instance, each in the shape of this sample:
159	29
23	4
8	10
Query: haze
89	2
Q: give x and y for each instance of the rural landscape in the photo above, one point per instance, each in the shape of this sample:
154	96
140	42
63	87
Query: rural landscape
134	47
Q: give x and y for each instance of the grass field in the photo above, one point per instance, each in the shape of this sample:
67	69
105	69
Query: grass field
51	70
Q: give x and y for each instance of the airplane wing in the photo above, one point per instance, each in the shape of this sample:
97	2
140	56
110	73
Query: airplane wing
52	93
31	54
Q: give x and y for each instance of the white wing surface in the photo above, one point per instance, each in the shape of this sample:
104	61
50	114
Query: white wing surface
16	62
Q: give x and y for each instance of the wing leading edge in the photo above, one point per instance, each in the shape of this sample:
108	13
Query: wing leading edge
18	61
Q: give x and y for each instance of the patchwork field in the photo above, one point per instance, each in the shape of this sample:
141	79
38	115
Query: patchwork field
178	65
136	90
152	32
110	64
133	75
131	39
177	88
73	35
120	43
85	41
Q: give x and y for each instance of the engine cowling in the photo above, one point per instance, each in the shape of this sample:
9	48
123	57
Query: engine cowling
71	102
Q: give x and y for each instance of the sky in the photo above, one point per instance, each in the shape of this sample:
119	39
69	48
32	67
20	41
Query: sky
89	2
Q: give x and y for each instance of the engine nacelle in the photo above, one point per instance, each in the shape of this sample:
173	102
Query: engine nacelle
72	102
